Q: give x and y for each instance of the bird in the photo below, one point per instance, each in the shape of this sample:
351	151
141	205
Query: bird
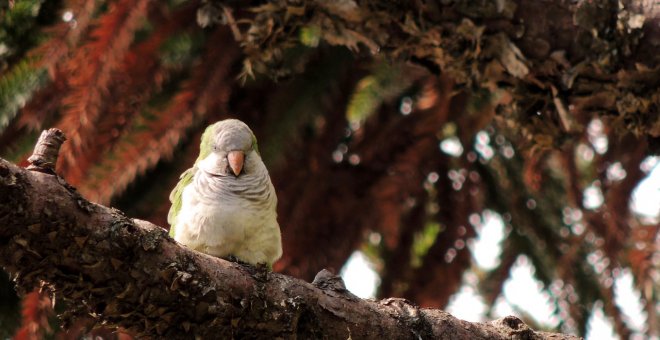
225	205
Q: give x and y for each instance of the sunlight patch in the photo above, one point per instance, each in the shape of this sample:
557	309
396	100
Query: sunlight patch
360	277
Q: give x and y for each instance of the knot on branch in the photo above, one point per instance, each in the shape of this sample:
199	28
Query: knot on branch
325	279
46	151
514	327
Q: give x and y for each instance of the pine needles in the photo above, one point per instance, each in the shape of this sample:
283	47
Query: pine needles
16	88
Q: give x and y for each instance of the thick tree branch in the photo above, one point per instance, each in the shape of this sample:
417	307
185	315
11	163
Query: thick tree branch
129	273
563	61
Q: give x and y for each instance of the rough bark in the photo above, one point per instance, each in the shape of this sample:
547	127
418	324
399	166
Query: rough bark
563	61
127	272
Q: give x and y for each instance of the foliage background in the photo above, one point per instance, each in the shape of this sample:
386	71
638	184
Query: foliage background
351	101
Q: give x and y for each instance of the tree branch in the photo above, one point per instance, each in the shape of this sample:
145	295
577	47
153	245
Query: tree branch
566	61
127	272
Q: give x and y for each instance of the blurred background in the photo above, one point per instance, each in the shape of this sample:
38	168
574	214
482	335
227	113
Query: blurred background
421	169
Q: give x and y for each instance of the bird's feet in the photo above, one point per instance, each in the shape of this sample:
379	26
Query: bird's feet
261	266
263	269
232	258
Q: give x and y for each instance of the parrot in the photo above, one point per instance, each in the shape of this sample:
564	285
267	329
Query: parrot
225	205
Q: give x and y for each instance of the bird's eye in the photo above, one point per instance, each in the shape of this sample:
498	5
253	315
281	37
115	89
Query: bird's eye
215	147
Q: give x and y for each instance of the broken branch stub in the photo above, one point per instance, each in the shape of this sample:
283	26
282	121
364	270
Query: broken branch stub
46	151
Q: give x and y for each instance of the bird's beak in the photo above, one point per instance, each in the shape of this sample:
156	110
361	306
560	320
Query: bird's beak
236	159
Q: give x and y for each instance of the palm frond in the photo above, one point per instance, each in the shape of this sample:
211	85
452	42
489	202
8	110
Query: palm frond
16	88
84	103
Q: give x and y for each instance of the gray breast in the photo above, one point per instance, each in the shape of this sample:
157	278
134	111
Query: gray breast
253	188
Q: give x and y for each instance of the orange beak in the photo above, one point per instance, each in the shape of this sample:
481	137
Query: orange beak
236	159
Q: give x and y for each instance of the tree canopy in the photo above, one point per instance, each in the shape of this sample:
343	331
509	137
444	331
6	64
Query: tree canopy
390	127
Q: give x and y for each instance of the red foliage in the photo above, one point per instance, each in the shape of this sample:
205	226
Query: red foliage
35	312
51	54
140	76
100	55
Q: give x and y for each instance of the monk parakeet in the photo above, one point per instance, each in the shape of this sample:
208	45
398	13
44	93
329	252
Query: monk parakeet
225	204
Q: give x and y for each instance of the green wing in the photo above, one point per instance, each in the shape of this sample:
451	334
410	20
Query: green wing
186	178
176	199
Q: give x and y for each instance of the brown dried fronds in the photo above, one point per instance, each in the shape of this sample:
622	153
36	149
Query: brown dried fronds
640	255
52	54
84	103
41	110
492	283
65	35
397	260
36	308
141	76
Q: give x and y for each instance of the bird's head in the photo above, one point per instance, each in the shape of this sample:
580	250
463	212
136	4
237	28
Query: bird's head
228	148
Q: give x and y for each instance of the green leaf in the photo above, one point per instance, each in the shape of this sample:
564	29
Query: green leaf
310	36
384	83
422	242
180	49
